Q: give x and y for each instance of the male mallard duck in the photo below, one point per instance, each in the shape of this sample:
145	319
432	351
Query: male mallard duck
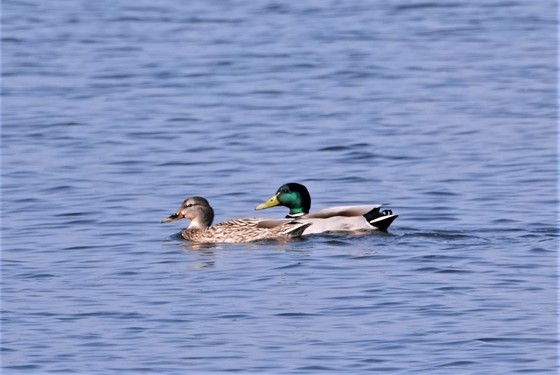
343	218
201	215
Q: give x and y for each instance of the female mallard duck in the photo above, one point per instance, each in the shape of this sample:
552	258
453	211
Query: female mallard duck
343	218
201	215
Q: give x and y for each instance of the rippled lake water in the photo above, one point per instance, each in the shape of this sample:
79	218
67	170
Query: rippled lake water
114	111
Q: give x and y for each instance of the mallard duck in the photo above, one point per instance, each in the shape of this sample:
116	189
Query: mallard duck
335	219
201	215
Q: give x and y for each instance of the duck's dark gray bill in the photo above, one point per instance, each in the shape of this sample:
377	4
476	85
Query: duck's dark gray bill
173	217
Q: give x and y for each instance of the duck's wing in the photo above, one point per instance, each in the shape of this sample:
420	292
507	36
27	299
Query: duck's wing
295	229
229	231
356	217
346	211
251	229
272	223
254	222
238	223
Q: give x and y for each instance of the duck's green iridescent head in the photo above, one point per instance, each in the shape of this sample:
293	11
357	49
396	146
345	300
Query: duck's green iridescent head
294	196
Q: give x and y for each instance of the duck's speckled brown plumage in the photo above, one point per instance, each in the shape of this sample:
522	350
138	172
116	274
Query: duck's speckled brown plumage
198	210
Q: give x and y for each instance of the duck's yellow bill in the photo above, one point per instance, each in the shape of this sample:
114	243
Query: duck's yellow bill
269	203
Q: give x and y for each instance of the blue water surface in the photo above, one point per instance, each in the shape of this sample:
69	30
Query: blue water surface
114	111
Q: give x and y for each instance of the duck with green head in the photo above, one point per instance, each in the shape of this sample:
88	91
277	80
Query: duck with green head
361	218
